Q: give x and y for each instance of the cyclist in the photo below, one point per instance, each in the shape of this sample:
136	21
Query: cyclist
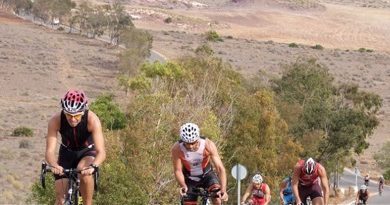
308	175
79	128
362	195
260	192
192	156
381	182
286	194
366	179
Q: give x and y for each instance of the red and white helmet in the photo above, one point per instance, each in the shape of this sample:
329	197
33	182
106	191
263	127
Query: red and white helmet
309	166
257	179
74	101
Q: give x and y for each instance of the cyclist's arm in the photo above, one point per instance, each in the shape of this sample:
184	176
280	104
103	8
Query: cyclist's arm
247	193
95	128
218	164
282	186
324	183
267	195
294	183
51	140
177	166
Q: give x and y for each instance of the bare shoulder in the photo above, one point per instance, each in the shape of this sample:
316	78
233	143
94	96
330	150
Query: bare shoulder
92	115
175	148
55	120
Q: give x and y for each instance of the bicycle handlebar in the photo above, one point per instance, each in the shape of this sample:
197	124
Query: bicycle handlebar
47	168
204	193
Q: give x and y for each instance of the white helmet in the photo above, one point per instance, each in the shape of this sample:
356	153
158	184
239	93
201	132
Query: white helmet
258	179
363	187
189	133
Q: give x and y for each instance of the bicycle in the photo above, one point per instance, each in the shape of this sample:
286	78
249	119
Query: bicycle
73	195
380	189
204	194
361	202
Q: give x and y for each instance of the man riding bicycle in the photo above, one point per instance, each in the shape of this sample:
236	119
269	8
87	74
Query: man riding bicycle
259	192
81	146
192	156
286	194
362	195
366	179
308	175
381	183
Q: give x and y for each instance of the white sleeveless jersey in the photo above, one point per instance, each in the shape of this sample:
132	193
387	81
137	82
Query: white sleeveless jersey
195	162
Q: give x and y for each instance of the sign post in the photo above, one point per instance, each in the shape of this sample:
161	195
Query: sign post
239	172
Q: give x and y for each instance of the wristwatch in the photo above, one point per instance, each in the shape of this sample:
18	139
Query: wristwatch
94	166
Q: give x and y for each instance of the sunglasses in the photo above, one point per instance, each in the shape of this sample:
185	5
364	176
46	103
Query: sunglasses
77	116
190	144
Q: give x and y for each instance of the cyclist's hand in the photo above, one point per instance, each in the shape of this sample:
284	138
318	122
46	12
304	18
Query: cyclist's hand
183	191
224	196
87	170
57	170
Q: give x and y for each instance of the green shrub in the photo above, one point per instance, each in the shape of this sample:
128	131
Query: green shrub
293	45
386	175
213	36
168	20
204	50
365	50
109	113
23	131
40	195
318	47
362	50
25	144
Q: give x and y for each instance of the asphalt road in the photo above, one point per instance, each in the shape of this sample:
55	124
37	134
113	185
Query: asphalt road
348	179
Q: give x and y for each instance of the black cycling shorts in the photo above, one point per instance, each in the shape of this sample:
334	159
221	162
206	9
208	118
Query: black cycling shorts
313	191
70	159
207	181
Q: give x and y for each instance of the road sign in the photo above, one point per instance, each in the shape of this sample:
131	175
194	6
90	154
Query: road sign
239	172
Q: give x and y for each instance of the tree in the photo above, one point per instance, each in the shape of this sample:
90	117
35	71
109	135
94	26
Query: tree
119	22
337	118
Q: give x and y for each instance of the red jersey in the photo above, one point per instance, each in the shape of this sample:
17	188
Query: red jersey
258	195
306	179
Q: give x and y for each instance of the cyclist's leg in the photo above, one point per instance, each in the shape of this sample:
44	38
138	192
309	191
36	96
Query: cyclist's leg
190	199
86	182
61	187
304	192
66	159
316	195
211	183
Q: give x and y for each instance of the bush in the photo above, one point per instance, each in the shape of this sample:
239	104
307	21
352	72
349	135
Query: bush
386	175
22	131
40	195
204	50
168	20
318	47
109	113
293	45
25	144
213	36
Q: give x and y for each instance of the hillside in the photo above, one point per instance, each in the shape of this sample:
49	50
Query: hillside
38	64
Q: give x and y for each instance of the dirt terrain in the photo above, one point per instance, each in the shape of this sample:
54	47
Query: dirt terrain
38	64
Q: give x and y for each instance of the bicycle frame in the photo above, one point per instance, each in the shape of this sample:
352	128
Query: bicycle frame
204	195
